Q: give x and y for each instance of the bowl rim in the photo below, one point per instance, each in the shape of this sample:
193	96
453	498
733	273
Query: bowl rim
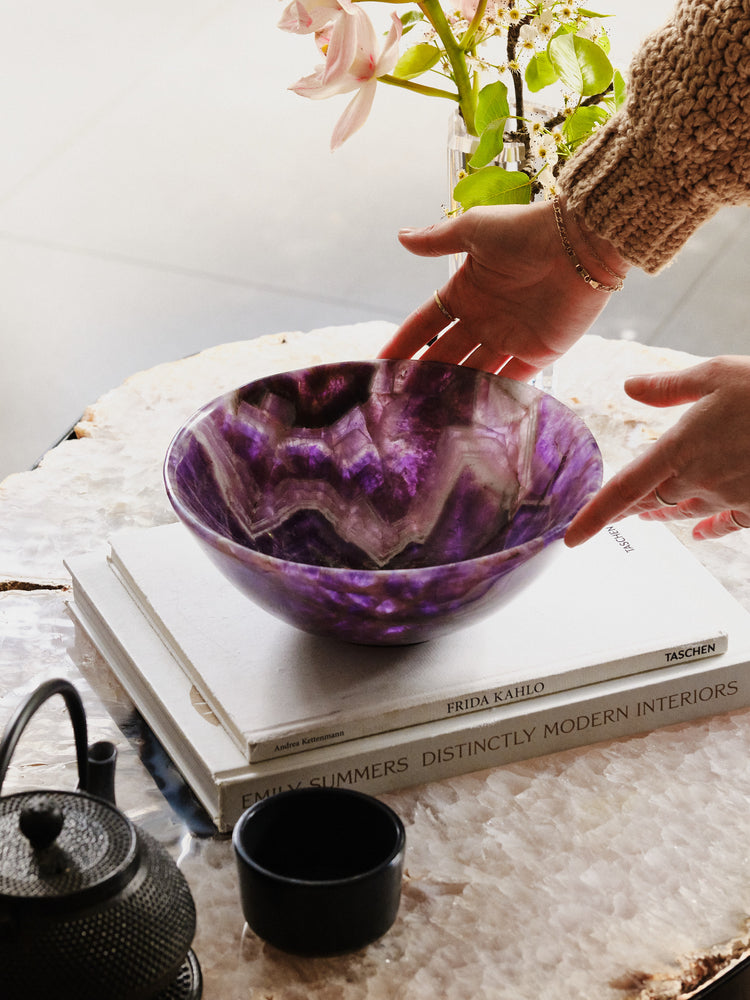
230	547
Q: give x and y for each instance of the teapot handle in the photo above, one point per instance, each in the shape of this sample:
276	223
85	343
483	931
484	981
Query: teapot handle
24	713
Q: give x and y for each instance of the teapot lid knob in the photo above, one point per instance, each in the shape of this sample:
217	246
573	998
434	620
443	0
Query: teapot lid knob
41	821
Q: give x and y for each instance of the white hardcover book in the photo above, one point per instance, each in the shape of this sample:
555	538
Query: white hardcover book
226	784
633	599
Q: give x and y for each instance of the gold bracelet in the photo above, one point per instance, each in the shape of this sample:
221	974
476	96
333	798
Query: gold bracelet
587	277
594	254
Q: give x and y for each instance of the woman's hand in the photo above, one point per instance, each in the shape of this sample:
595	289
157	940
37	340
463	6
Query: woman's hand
700	468
517	298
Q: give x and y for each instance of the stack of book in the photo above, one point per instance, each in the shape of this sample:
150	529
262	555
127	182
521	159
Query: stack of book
622	635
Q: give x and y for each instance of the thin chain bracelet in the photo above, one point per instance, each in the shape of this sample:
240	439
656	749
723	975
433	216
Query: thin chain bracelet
586	275
595	255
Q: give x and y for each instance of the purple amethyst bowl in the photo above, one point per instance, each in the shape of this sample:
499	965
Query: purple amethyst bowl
381	502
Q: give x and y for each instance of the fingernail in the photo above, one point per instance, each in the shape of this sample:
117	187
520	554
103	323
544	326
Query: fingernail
406	232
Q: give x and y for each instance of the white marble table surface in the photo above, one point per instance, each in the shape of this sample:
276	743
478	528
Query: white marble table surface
577	875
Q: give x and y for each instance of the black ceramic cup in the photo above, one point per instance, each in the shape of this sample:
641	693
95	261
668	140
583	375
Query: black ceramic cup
319	869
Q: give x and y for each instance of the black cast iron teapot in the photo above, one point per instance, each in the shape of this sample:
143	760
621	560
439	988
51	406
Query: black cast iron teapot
90	906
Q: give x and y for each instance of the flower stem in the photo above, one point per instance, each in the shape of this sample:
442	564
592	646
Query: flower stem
436	16
586	102
418	88
467	42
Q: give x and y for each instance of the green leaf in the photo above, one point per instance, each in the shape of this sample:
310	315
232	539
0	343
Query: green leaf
490	144
540	72
581	64
493	186
581	124
582	12
491	115
620	89
416	61
492	105
411	18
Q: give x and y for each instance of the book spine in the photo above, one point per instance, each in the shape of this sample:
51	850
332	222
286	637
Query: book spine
491	739
449	706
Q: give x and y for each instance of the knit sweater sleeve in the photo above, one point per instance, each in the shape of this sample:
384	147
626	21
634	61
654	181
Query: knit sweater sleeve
680	148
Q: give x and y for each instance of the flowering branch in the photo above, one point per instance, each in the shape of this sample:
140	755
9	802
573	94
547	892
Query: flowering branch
547	42
514	33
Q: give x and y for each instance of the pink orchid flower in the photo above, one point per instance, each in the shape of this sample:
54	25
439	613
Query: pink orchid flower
302	17
352	63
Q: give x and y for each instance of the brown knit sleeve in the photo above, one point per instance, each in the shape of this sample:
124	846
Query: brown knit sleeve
680	149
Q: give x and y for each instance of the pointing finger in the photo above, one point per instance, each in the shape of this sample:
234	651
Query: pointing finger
622	492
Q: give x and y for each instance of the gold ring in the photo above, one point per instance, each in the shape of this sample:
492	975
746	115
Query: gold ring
661	501
735	522
441	307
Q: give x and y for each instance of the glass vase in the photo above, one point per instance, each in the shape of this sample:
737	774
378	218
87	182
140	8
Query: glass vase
461	147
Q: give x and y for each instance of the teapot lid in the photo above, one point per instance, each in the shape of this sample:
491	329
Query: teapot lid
63	848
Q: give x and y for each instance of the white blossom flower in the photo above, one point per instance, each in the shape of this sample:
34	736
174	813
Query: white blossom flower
557	137
535	126
546	149
528	37
547	179
475	63
587	30
567	12
544	24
